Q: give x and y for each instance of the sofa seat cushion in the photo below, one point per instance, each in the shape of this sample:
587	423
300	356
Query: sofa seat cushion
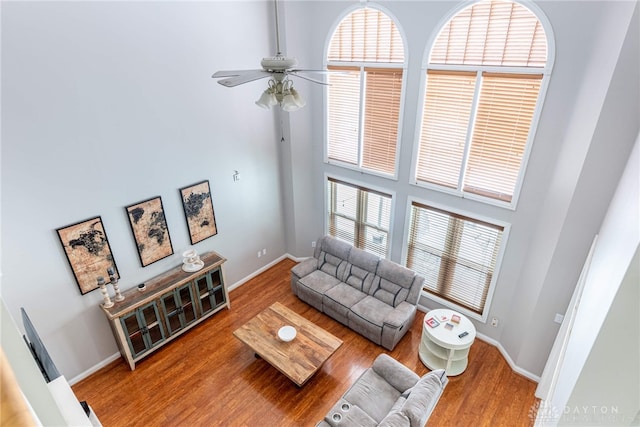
345	295
372	310
339	299
368	385
313	286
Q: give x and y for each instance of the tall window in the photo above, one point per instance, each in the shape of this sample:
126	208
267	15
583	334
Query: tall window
364	95
483	84
456	254
359	216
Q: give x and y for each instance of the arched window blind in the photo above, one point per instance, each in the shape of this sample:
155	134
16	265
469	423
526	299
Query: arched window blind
364	96
483	83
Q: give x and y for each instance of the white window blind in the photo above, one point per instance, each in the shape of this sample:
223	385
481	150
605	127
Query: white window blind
359	216
503	120
477	121
447	108
363	108
457	255
366	35
502	33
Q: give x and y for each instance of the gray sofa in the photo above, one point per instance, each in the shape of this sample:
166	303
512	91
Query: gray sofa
373	296
388	394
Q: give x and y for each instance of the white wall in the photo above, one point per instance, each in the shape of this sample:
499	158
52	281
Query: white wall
588	124
105	104
598	376
611	396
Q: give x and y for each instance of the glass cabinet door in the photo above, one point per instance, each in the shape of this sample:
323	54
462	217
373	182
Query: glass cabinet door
188	305
133	332
171	305
210	291
143	329
179	308
154	332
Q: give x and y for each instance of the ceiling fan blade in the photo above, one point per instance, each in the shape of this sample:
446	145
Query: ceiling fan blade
238	80
308	78
231	73
299	70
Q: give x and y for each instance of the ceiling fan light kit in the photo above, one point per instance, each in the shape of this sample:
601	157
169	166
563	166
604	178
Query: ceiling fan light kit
281	93
278	68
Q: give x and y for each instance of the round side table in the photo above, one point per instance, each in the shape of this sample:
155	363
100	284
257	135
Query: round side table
441	346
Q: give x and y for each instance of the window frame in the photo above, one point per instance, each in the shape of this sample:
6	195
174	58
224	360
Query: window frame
479	70
362	65
365	186
497	268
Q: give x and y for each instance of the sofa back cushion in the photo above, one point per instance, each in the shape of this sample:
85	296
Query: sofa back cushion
392	283
335	247
331	265
332	255
361	269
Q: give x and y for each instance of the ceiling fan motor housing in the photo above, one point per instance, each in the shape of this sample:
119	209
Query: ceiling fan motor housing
278	63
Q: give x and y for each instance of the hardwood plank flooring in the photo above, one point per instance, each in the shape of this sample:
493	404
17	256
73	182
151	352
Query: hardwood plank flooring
207	377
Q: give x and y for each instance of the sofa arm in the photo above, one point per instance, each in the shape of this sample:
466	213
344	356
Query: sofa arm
423	397
305	267
395	373
399	316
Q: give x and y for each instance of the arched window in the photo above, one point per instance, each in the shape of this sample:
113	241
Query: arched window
364	97
485	76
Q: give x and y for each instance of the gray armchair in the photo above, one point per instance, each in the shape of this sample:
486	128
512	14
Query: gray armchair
388	394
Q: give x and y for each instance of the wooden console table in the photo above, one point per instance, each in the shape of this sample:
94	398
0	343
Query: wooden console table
171	304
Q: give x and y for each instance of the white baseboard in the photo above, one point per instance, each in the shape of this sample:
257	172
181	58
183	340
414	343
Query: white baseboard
257	272
506	356
94	369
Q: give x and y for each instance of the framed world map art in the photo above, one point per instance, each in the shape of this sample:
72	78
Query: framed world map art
198	209
150	231
87	249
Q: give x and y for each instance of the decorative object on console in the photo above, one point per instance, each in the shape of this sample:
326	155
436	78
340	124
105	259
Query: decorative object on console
198	209
105	295
150	231
114	281
191	261
88	252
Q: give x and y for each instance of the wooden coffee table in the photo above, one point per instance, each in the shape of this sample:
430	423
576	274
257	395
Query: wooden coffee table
298	359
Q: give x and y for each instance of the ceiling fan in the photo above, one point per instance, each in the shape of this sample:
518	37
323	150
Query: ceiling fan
278	68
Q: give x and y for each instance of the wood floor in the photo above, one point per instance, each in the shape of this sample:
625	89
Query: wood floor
209	378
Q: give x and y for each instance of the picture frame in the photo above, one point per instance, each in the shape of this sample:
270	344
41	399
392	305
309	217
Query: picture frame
432	322
150	230
198	211
87	249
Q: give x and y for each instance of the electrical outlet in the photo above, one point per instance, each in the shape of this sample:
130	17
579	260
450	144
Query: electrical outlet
264	251
558	318
494	322
259	254
313	244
